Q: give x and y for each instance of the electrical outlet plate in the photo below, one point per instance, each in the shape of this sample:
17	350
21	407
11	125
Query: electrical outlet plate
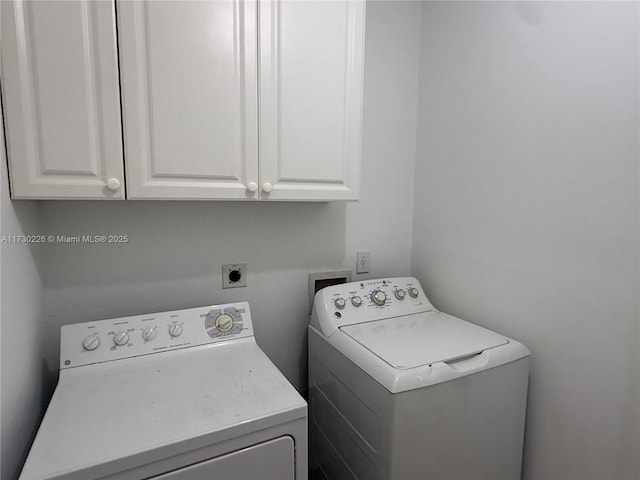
234	275
362	261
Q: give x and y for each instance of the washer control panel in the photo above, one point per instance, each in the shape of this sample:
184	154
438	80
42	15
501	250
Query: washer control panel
124	337
368	300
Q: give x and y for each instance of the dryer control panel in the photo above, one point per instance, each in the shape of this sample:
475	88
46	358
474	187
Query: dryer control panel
124	337
357	302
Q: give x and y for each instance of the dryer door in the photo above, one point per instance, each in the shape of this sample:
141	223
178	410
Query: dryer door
272	460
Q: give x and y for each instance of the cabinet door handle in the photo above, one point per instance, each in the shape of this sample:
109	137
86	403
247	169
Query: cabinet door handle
252	186
113	184
266	187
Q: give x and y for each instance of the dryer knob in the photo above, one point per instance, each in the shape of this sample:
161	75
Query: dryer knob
399	294
413	291
175	330
91	342
121	338
356	301
379	297
149	333
340	303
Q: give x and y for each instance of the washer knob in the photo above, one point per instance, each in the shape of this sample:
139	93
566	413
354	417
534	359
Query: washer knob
224	322
413	291
91	342
356	301
121	338
175	329
379	297
340	303
149	333
399	294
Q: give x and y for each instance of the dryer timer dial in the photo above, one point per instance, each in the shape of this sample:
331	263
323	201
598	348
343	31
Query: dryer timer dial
224	322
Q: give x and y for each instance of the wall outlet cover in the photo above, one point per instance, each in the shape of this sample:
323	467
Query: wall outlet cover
363	261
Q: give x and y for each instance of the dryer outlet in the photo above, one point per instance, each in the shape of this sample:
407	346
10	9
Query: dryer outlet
234	275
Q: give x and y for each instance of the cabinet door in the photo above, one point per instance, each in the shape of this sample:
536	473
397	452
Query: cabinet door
189	90
311	75
61	99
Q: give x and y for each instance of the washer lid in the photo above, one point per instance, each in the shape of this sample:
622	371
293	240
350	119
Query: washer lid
423	338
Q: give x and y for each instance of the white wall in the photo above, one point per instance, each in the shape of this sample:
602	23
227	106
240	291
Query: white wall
21	361
176	249
526	209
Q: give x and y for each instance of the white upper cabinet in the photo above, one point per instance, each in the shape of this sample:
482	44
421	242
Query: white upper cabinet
195	75
61	99
231	100
311	72
189	96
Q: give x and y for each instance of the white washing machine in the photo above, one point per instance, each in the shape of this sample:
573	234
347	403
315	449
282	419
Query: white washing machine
401	391
178	395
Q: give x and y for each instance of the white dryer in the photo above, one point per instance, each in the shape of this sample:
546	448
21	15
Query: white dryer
401	391
178	395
